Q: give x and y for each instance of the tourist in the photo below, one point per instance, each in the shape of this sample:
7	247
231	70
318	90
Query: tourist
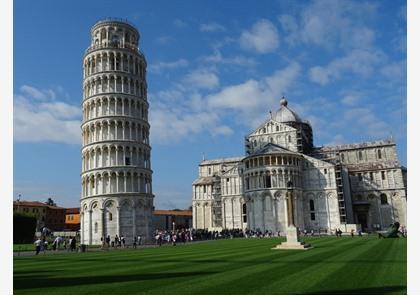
352	233
73	244
312	232
44	245
139	240
116	239
340	232
336	232
37	243
123	241
360	232
108	241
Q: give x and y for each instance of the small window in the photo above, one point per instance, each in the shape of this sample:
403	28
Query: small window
127	161
325	171
359	175
264	130
110	216
227	179
247	183
289	138
312	205
312	216
371	175
96	227
268	181
277	128
360	155
384	199
342	157
271	139
379	154
209	171
244	219
204	189
383	175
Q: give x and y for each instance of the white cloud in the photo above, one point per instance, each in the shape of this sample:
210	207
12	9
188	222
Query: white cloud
202	79
36	93
262	38
253	98
180	23
183	113
366	120
396	71
171	124
328	23
350	99
163	40
361	62
160	66
218	58
212	27
45	120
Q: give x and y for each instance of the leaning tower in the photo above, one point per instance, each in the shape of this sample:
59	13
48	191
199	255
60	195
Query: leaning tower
116	176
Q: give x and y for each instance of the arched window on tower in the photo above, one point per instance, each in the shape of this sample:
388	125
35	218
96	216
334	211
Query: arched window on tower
384	199
244	219
312	209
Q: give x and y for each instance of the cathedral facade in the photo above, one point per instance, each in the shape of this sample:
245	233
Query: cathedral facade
349	186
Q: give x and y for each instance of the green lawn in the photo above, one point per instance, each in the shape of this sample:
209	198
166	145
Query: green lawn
359	265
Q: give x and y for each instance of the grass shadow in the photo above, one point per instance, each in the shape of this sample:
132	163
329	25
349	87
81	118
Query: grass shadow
362	291
33	282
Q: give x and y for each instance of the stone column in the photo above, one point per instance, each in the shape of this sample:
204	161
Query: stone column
118	220
90	227
82	228
134	223
233	215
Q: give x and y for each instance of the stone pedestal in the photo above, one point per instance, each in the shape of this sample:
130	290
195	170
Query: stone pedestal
292	241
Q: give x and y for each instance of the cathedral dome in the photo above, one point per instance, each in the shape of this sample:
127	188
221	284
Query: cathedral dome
284	114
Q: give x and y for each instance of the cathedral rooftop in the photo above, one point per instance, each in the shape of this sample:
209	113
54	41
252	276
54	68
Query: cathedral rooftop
356	145
285	114
222	160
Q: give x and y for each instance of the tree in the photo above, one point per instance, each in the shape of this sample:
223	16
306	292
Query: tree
24	226
50	202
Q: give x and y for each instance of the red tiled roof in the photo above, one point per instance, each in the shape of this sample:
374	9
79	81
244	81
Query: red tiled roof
173	212
72	210
34	204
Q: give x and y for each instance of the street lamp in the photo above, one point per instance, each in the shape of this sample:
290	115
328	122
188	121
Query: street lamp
18	202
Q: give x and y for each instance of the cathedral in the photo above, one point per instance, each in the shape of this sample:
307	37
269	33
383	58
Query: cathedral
350	186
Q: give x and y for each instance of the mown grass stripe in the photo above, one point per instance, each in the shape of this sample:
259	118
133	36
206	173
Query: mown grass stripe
224	267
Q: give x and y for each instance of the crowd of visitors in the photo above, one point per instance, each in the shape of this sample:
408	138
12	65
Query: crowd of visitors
178	236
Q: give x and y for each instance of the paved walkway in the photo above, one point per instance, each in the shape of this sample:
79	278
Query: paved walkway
99	249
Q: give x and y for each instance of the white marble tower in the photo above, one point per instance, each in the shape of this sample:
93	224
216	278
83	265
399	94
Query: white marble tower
116	174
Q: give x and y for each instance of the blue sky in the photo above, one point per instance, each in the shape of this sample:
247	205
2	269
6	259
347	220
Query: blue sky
215	70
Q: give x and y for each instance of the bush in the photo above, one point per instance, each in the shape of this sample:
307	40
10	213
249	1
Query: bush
24	227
